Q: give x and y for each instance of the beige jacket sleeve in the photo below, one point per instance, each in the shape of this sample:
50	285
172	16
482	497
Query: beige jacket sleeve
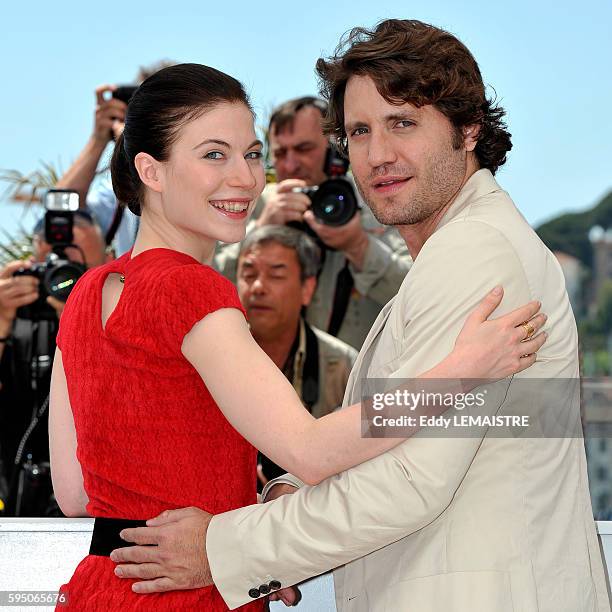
288	479
378	502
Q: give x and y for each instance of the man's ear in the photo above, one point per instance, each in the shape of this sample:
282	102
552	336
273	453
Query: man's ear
149	170
308	288
470	136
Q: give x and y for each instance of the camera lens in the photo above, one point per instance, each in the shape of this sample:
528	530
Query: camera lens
334	203
60	280
332	207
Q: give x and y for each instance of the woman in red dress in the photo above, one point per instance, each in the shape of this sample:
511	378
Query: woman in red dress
160	396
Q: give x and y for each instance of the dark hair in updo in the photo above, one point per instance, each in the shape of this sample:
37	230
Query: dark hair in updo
158	109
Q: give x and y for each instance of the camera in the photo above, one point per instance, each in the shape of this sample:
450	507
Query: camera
333	202
124	92
58	274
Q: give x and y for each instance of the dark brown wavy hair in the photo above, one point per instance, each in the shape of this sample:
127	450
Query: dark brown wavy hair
411	61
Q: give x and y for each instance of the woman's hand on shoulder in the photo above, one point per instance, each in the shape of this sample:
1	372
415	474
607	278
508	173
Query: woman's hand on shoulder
497	348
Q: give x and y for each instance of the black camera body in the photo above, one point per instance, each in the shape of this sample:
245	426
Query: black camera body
124	92
57	274
333	202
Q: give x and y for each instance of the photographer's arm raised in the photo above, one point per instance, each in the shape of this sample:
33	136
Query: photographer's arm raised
82	172
262	406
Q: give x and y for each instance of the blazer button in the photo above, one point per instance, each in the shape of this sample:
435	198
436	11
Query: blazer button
254	593
275	584
264	589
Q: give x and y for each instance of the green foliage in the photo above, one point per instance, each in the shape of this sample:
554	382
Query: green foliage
603	316
596	336
14	247
602	363
596	329
28	187
570	232
24	189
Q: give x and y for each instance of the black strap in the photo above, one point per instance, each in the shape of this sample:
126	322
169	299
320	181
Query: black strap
344	287
105	537
114	226
310	372
288	366
310	394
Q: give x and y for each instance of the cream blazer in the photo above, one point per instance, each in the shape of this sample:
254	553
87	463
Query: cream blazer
478	524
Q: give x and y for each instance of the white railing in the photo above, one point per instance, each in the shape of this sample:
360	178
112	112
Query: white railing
41	554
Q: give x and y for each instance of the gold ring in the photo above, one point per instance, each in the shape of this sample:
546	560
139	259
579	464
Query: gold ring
529	329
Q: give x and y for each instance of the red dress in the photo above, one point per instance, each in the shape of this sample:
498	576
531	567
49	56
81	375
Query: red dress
150	436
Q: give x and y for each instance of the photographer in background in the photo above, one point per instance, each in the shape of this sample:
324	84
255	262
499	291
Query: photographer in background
364	262
111	106
277	276
28	327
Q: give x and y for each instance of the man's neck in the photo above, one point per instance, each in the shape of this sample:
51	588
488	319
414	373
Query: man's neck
277	347
416	235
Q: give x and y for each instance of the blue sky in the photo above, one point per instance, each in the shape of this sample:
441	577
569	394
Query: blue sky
549	63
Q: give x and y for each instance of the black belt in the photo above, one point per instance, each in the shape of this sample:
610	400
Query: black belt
105	537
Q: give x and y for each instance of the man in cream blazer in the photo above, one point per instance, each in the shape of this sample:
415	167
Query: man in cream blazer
478	523
438	524
442	524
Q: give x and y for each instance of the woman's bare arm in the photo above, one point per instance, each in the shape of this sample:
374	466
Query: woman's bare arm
262	405
66	471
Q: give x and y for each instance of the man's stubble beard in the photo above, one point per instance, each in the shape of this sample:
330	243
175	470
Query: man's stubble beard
433	191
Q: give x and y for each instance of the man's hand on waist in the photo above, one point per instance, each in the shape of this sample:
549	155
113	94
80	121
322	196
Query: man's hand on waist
177	560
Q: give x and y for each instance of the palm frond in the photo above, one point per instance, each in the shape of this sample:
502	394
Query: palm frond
14	247
27	188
